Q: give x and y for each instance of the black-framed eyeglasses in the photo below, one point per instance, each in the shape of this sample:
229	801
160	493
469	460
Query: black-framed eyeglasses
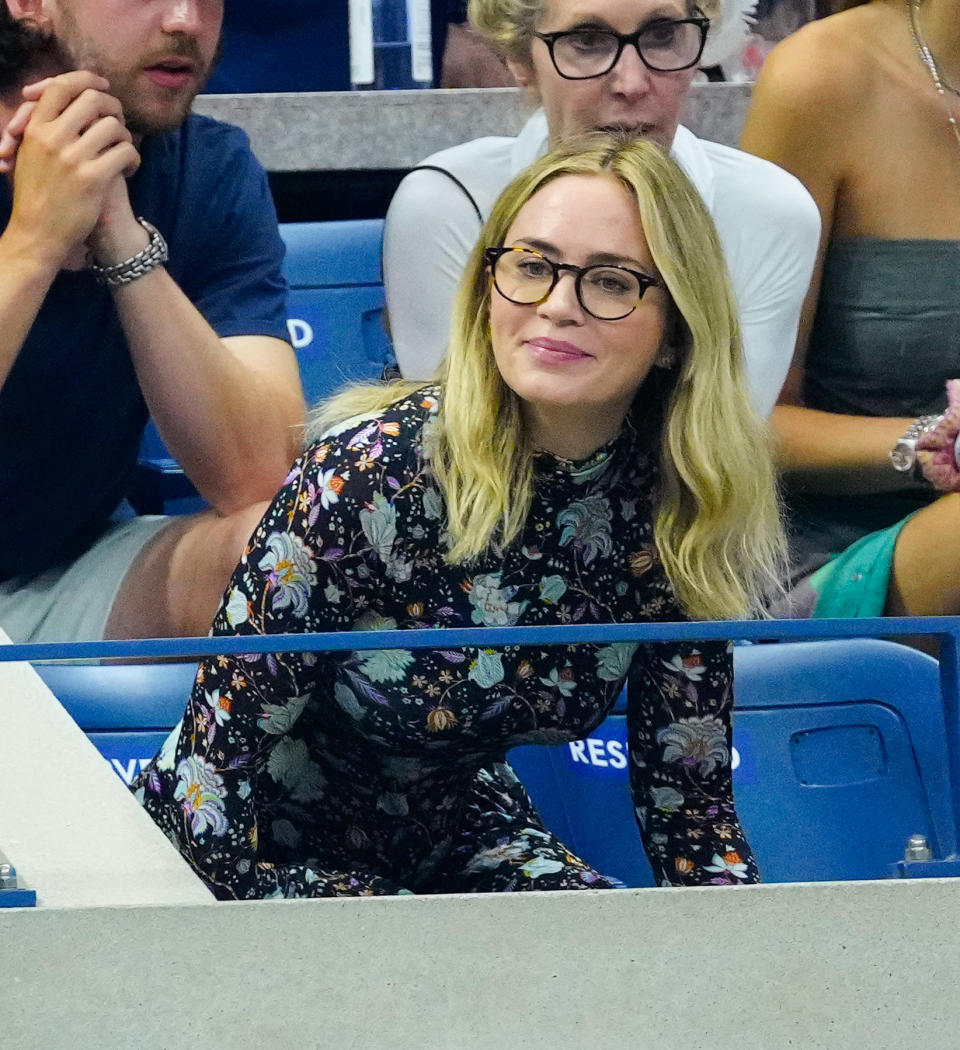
525	277
665	45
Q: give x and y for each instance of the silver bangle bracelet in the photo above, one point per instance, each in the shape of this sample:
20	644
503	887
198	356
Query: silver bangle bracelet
154	255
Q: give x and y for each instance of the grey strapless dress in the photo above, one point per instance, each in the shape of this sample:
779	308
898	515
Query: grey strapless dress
885	340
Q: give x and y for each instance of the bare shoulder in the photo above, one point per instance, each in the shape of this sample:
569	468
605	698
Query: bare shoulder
808	107
822	70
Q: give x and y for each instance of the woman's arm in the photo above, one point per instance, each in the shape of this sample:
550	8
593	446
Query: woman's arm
805	116
680	696
301	572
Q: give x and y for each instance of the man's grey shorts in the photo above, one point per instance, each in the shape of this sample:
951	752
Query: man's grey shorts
74	603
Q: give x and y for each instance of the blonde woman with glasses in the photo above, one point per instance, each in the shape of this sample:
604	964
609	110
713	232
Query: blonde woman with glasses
588	455
591	65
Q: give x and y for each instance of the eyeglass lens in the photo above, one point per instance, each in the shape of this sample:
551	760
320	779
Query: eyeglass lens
607	292
665	45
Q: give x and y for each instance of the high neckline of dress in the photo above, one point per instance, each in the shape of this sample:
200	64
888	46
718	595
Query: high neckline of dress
590	467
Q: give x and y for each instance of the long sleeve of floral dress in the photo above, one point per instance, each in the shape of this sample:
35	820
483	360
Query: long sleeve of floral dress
303	570
680	698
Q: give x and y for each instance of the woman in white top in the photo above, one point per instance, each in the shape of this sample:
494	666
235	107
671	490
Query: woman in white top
600	64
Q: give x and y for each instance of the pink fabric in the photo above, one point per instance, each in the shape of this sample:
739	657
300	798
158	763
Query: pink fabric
936	448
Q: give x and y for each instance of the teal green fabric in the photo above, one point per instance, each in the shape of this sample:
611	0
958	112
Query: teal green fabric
855	582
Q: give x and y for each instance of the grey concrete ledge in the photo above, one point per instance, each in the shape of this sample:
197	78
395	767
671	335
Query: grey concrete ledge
344	130
67	822
830	966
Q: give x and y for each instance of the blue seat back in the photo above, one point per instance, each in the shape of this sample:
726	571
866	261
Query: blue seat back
336	321
842	756
127	710
336	304
839	757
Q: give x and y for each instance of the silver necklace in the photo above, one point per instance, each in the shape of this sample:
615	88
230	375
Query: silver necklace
926	57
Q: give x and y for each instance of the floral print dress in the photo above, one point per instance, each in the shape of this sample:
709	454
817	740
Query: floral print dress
304	774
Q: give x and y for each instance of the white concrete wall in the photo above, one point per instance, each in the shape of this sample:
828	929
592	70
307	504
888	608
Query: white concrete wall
69	825
340	130
828	966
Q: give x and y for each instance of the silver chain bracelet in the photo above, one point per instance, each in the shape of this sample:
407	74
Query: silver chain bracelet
154	255
903	455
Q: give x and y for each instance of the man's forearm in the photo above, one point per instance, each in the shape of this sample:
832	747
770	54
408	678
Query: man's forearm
24	283
231	413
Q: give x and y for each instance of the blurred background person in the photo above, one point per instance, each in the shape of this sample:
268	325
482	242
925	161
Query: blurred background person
863	107
461	57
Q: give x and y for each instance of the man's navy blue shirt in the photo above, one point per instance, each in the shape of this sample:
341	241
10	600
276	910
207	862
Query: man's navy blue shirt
71	411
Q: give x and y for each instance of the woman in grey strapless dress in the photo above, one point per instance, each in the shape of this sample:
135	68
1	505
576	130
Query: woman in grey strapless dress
864	107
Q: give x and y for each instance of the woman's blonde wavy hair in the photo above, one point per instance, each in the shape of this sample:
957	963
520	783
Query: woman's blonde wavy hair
717	525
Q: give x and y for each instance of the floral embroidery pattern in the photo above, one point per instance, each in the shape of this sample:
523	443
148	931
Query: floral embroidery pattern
381	771
697	742
290	572
200	791
586	525
491	603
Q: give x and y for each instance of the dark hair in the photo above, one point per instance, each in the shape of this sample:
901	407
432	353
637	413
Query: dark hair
22	47
834	7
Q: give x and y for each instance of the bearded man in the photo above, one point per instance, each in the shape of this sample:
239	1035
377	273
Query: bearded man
139	275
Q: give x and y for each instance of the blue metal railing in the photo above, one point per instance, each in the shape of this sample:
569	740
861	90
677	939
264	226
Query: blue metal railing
946	629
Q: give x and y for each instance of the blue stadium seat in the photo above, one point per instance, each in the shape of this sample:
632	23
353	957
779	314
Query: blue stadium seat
336	325
336	302
127	710
840	757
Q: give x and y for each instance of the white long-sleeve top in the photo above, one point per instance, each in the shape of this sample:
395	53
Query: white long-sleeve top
768	224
